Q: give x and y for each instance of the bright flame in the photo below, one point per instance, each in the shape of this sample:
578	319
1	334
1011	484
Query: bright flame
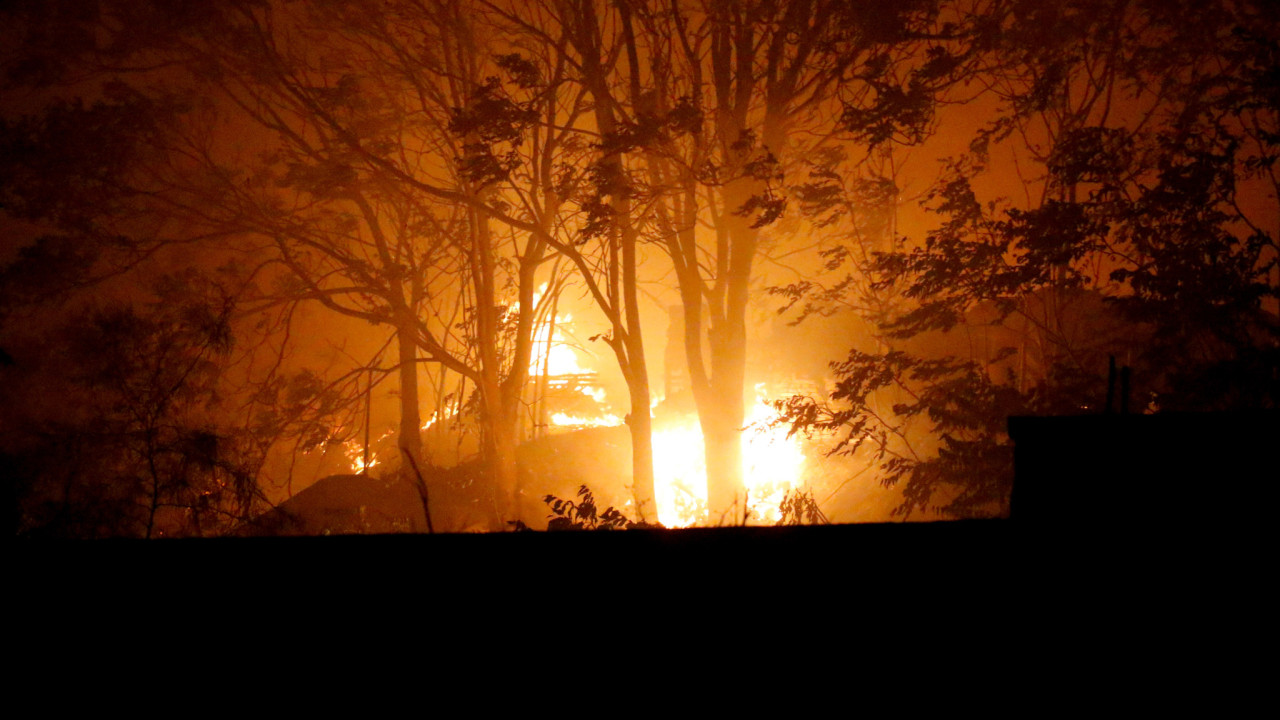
437	416
566	420
355	453
679	474
772	464
561	360
554	355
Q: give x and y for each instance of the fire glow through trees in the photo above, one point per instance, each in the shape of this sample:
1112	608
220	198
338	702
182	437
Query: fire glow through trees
772	465
772	462
698	255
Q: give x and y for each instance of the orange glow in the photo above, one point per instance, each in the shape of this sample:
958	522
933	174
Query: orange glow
772	463
437	416
680	474
354	451
562	358
580	421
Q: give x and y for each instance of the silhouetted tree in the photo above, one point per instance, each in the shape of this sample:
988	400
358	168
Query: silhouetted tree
138	445
360	154
729	101
1147	131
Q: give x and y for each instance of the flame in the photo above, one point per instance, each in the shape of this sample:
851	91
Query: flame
772	464
554	348
437	416
555	356
680	474
563	359
354	451
566	420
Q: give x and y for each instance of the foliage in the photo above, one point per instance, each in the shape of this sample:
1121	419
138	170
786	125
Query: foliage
73	172
799	508
584	515
143	453
1135	242
417	166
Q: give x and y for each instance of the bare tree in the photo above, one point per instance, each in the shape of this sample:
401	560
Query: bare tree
410	164
722	98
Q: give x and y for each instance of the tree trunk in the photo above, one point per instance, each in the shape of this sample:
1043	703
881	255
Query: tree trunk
638	376
501	455
722	439
721	409
617	291
721	414
641	426
410	440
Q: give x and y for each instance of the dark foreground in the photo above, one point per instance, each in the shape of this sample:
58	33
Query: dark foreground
536	601
706	555
1139	538
991	553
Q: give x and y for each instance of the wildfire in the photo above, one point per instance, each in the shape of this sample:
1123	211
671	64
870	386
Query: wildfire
354	451
567	420
679	474
772	463
552	347
561	358
438	415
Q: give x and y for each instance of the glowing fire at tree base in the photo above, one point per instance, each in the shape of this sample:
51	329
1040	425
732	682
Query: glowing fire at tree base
772	464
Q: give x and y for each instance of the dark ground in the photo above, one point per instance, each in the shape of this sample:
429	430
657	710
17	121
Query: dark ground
995	600
1179	571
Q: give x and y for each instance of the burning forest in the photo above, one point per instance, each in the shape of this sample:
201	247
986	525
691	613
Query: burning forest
457	266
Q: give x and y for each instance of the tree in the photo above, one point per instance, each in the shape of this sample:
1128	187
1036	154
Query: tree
696	108
721	96
490	147
75	172
147	451
1145	131
97	197
758	70
415	189
373	170
603	245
